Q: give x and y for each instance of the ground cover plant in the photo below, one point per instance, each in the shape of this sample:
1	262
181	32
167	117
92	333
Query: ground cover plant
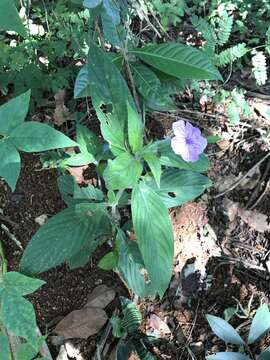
130	209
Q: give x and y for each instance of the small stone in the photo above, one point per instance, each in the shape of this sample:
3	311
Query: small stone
197	347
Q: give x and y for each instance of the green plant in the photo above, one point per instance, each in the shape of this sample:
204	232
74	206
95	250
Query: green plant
17	317
126	327
260	325
134	172
169	12
29	136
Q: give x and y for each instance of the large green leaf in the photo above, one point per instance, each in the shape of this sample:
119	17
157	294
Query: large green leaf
135	130
130	265
169	158
14	112
122	172
260	324
34	137
149	86
10	163
18	316
179	60
19	284
180	186
63	236
154	234
10	19
110	95
4	347
145	80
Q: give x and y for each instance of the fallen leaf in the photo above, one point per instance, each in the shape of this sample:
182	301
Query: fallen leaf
61	112
100	297
263	109
253	218
156	323
77	173
82	323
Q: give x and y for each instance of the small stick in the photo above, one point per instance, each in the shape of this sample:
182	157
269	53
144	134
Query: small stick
243	177
11	236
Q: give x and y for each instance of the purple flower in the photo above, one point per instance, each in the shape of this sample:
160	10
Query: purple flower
188	141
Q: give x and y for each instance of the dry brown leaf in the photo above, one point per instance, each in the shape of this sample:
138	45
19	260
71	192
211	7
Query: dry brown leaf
82	323
263	110
61	112
253	218
100	297
156	323
77	173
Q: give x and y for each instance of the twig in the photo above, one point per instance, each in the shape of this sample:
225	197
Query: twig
12	236
255	192
266	189
243	177
7	220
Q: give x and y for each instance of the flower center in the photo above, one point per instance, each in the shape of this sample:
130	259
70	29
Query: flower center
189	141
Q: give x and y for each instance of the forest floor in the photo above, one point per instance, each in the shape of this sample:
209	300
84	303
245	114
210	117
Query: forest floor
225	237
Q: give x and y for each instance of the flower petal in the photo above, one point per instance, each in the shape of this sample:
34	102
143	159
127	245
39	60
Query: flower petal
179	128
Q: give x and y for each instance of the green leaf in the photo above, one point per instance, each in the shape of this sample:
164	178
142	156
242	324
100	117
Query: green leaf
265	355
66	185
78	160
26	352
122	172
34	137
135	129
14	112
145	80
213	139
224	330
110	95
154	233
123	350
63	236
92	3
227	356
154	164
142	351
81	88
89	143
169	158
81	258
132	317
10	164
109	29
88	193
19	284
109	261
178	60
260	324
10	19
130	265
18	316
180	186
4	347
